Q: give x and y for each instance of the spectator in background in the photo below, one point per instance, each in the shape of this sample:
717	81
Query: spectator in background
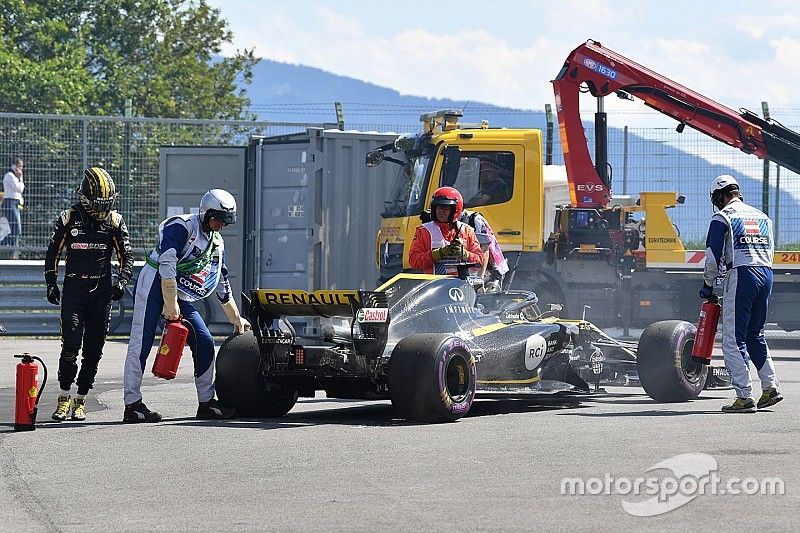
13	186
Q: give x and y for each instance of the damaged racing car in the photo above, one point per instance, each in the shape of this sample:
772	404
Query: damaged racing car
431	345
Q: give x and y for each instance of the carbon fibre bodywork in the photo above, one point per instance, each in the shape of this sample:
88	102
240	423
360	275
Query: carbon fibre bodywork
345	346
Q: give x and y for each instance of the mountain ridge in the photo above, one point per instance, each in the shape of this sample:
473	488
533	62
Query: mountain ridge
290	92
297	93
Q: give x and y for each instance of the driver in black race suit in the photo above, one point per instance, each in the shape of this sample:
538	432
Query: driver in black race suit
88	233
187	265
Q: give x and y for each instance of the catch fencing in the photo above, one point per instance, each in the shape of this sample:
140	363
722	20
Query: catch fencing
56	148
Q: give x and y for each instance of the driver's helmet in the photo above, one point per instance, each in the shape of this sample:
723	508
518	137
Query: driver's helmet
97	192
219	205
447	196
721	186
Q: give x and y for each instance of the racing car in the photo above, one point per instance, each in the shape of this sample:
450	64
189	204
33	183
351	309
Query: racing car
432	344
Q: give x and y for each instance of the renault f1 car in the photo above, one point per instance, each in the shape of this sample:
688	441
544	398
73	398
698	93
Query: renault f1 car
431	345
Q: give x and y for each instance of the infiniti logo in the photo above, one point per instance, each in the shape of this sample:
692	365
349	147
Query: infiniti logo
456	294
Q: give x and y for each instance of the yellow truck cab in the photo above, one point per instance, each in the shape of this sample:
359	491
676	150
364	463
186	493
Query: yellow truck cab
499	174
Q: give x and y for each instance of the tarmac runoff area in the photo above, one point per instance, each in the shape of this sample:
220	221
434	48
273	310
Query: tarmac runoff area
339	465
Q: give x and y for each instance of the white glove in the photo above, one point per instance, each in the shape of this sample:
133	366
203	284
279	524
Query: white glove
169	291
240	324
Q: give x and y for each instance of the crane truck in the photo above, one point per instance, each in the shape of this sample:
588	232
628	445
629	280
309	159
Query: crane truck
616	261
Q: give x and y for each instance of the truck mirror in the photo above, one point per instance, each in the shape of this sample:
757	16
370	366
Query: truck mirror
452	162
374	158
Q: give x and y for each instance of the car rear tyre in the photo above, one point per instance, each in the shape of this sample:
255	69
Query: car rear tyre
432	378
240	383
664	361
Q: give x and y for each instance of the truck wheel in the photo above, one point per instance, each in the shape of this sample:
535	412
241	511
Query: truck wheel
240	383
432	378
664	361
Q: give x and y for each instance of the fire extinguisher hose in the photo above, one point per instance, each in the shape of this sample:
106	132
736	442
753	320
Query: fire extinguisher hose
44	380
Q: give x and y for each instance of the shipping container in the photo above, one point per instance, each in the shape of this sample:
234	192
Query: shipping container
313	209
309	208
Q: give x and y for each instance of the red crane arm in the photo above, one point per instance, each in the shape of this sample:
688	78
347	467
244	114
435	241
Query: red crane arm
603	72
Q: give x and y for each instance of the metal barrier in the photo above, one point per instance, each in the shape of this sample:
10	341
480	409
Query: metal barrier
24	309
57	148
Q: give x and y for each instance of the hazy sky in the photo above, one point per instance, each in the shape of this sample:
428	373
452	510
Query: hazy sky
505	53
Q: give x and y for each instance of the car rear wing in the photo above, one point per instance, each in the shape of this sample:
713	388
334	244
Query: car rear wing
365	306
366	311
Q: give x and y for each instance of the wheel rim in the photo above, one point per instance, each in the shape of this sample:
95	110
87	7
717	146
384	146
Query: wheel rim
692	370
457	380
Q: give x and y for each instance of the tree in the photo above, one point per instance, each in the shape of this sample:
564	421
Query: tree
89	56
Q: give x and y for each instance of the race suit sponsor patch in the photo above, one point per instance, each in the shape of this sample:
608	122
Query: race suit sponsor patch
88	246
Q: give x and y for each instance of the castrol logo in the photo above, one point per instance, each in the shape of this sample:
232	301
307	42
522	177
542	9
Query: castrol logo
372	314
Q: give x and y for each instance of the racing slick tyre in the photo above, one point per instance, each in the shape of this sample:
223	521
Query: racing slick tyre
664	361
432	378
240	383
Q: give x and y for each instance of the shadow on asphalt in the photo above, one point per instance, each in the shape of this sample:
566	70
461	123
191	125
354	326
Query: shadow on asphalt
640	399
382	414
647	413
378	415
46	425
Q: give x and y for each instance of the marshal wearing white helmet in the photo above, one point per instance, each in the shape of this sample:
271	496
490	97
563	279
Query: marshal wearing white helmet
187	265
740	245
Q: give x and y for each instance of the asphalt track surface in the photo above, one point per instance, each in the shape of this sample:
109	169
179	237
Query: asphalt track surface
333	465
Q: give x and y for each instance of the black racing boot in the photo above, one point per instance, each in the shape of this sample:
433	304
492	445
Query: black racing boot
213	410
138	412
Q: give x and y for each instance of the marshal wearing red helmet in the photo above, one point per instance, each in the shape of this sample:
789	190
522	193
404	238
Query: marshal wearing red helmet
444	241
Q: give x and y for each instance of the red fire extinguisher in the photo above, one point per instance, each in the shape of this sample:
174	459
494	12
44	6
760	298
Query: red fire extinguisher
706	330
28	392
169	352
